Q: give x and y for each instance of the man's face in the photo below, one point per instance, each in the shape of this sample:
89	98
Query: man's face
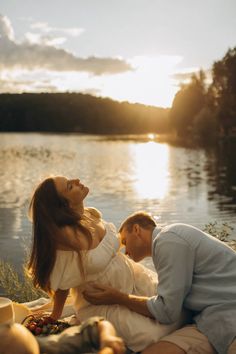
133	243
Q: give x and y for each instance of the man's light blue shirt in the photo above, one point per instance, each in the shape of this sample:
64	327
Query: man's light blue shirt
198	272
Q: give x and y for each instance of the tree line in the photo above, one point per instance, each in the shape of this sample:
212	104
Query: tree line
76	112
200	111
206	111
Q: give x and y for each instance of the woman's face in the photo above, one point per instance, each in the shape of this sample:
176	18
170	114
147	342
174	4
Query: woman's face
71	189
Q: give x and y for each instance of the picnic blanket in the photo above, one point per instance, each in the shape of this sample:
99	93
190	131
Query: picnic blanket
44	305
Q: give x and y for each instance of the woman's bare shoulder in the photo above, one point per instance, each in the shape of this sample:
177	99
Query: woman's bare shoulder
68	230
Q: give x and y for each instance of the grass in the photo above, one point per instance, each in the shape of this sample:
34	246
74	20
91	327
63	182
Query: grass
22	290
19	290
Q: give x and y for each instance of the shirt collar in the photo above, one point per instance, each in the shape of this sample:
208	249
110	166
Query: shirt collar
155	233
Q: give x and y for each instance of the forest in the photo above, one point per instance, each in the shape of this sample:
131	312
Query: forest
76	112
202	110
207	111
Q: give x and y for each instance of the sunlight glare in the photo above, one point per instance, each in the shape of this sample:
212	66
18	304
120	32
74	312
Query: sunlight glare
151	136
151	170
150	82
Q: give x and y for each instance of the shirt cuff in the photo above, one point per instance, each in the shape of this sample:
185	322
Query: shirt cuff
155	307
151	308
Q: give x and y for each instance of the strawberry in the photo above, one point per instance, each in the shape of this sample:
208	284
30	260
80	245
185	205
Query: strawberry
40	322
37	331
32	327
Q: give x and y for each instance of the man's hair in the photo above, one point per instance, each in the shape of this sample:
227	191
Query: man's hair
141	218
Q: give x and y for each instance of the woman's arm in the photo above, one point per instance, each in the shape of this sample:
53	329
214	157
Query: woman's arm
59	302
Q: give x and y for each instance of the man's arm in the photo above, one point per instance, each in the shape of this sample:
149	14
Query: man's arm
174	265
174	262
105	295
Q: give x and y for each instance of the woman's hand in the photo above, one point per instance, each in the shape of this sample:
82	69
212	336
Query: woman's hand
101	294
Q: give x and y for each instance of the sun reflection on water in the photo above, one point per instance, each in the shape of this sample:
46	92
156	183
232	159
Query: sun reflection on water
151	170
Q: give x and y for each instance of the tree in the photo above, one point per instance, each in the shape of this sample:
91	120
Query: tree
75	112
188	101
222	91
205	126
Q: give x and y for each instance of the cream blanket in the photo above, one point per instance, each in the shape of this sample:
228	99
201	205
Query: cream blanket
42	306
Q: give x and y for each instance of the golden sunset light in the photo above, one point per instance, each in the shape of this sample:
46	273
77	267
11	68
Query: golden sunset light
151	170
118	126
149	82
139	61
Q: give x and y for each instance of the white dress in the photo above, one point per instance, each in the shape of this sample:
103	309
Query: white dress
106	265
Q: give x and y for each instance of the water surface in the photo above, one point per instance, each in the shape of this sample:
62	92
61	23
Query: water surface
124	174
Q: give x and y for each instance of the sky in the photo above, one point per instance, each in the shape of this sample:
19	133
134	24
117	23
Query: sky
127	50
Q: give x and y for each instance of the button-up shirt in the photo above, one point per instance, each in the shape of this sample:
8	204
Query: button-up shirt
197	272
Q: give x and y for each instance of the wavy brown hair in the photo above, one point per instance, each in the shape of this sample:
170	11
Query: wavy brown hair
49	212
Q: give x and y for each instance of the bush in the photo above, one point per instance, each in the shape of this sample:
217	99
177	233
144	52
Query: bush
221	232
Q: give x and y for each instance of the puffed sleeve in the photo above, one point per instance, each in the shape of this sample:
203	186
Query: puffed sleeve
66	271
94	212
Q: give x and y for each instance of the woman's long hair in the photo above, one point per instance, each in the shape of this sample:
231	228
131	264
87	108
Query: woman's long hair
49	212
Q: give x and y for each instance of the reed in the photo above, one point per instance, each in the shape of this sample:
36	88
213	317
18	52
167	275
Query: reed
17	288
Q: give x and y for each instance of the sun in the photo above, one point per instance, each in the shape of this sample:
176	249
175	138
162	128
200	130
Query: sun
150	82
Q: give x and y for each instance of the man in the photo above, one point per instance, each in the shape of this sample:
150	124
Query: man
195	271
93	335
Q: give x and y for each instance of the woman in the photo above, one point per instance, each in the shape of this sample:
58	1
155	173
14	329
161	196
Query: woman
72	246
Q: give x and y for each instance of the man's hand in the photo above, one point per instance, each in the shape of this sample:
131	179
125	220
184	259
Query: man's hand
105	295
102	295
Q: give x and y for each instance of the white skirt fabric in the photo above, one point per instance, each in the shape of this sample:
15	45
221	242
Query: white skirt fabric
137	330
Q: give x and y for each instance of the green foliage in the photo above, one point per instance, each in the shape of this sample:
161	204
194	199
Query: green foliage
221	232
16	289
223	89
208	111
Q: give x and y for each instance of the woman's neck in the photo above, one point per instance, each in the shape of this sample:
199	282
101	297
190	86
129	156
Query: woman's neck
79	209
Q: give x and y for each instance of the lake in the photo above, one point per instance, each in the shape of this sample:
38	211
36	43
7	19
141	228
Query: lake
124	174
